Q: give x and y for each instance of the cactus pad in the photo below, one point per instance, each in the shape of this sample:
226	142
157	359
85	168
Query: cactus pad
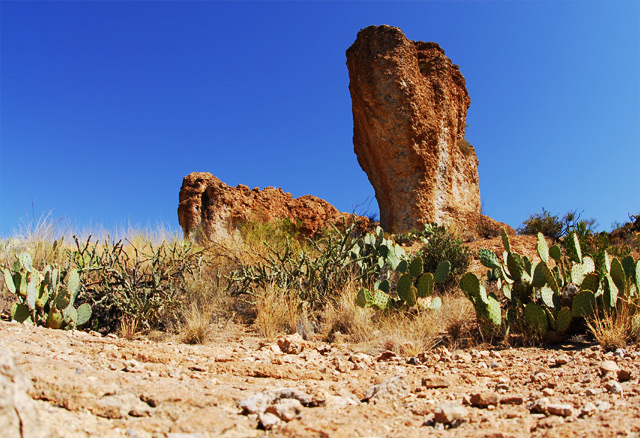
563	319
411	296
384	286
8	281
591	282
63	299
489	259
26	261
416	266
364	298
555	252
583	304
515	263
543	249
536	318
55	318
436	303
546	293
404	284
470	285
380	299
505	240
617	275
493	310
425	285
610	292
84	314
20	313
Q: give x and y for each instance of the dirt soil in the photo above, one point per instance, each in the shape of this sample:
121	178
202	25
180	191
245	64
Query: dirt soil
87	385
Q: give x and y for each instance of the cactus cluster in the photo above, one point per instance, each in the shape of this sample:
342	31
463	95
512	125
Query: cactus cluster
45	297
548	299
400	280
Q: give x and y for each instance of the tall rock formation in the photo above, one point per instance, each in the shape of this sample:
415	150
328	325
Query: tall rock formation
209	205
409	109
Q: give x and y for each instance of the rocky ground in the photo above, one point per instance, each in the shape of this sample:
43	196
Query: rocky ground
83	384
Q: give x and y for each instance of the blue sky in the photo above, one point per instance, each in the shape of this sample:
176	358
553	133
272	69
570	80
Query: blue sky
106	106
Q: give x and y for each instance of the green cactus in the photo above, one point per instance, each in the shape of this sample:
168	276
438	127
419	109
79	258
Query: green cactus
555	252
563	319
583	304
489	259
536	318
543	249
442	272
425	285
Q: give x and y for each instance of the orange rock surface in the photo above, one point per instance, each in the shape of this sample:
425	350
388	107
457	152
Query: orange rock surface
409	110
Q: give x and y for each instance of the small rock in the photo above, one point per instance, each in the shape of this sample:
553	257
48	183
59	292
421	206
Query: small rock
588	409
413	361
548	392
392	388
292	344
603	406
286	409
593	391
484	400
361	358
387	355
624	375
539	406
462	356
450	413
432	382
255	404
512	400
613	387
563	359
132	366
609	367
560	409
619	352
268	420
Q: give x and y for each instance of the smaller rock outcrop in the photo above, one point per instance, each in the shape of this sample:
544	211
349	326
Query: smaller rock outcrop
208	204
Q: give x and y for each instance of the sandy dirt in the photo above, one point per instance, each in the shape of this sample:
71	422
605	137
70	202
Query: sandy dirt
240	385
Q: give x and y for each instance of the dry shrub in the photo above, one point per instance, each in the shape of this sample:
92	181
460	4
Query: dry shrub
128	328
409	334
615	329
196	328
458	318
343	320
277	311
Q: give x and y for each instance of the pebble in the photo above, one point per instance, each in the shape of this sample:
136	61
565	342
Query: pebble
613	387
624	375
563	359
268	420
255	404
448	413
609	367
512	400
484	400
391	388
432	382
286	409
560	409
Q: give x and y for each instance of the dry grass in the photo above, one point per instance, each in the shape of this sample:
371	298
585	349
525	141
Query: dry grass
615	329
128	328
196	328
277	311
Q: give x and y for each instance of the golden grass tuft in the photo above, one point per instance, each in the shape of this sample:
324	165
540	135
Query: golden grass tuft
277	311
615	329
196	328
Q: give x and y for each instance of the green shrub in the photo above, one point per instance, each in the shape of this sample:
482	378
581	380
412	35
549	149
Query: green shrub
555	227
440	246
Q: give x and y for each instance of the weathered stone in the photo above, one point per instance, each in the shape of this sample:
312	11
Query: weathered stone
392	388
286	409
209	206
609	367
409	109
292	344
432	382
268	420
560	409
484	399
448	413
613	387
255	404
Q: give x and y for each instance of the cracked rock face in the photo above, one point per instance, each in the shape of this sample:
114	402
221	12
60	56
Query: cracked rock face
409	109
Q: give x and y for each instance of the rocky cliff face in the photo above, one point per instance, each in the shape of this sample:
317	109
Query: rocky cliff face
208	204
409	109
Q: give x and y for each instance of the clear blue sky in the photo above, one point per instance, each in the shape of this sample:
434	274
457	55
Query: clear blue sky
106	106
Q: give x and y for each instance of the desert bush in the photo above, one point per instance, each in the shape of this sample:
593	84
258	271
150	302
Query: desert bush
555	227
144	284
440	246
548	302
